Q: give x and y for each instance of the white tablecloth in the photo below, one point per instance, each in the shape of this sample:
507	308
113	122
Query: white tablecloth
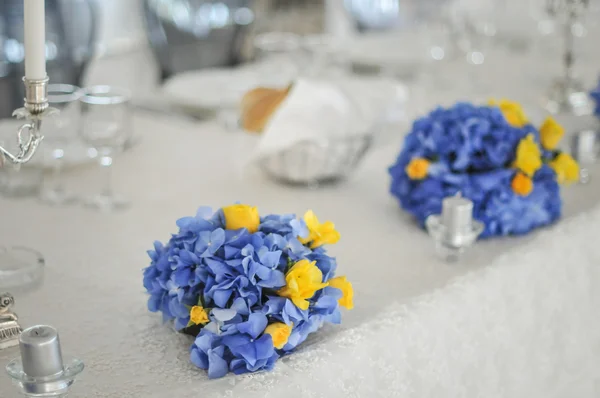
517	318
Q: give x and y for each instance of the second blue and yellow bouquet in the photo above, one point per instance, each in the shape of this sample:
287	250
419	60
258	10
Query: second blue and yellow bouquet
491	154
250	288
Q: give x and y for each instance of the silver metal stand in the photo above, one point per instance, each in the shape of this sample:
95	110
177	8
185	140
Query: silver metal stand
29	137
29	134
567	94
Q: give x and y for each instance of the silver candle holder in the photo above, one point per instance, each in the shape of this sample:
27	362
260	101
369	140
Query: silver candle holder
9	322
567	94
29	134
41	371
585	148
454	230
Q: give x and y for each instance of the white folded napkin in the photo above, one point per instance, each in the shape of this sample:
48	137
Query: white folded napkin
315	110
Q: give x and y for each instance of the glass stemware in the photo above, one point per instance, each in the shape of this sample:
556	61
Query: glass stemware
106	126
60	131
281	53
567	93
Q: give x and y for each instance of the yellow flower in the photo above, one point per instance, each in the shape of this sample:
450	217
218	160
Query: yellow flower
417	168
528	158
319	234
280	333
303	280
512	111
521	184
566	168
551	133
198	315
241	216
342	284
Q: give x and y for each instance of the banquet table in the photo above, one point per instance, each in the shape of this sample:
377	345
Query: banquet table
517	317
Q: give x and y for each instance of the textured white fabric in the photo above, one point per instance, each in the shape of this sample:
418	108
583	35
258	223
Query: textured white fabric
507	322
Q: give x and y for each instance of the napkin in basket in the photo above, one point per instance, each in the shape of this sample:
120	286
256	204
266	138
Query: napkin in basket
317	110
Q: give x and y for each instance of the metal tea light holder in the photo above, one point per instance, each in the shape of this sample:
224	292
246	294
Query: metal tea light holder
41	370
455	230
567	94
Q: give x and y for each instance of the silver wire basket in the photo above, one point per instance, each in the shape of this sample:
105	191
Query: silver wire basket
312	163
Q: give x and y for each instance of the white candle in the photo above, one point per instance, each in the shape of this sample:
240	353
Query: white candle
35	40
457	214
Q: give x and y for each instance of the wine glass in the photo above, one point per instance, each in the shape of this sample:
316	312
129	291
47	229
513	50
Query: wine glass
281	56
106	127
60	131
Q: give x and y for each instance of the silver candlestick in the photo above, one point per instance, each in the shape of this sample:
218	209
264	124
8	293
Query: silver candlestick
9	322
455	229
29	135
41	371
20	266
567	94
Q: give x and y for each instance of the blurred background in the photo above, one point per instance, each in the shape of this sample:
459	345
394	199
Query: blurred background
194	59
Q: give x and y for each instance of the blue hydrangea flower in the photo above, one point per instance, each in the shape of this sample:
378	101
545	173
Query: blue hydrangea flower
471	150
235	276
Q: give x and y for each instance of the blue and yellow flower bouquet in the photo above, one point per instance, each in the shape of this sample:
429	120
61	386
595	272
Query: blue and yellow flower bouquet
249	288
490	154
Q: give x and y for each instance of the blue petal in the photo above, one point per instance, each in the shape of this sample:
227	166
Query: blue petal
223	315
154	302
236	340
178	309
221	297
182	276
199	358
217	366
264	347
254	326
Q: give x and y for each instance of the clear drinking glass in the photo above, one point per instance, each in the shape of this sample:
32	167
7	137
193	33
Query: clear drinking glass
106	126
59	132
281	54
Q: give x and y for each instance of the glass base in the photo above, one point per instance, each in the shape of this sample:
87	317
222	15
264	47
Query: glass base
107	203
58	197
568	97
448	253
21	269
53	386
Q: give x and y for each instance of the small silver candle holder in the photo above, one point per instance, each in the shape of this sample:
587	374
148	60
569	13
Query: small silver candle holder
585	148
29	134
9	322
454	230
41	371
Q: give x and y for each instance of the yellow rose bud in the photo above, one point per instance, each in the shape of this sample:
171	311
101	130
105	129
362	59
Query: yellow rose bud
319	234
512	111
280	333
198	315
303	280
417	168
566	168
528	157
342	284
551	133
522	185
241	216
